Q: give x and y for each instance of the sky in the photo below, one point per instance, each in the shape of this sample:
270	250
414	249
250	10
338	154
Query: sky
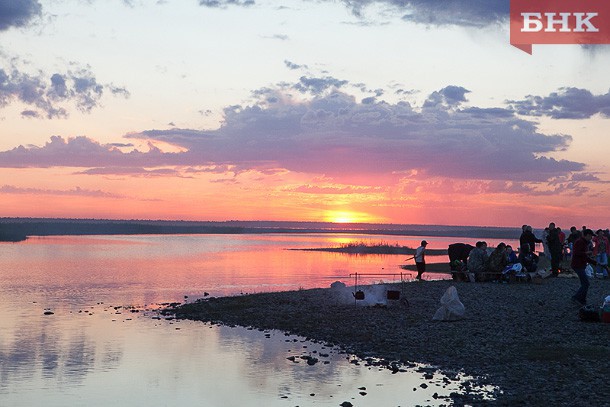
384	111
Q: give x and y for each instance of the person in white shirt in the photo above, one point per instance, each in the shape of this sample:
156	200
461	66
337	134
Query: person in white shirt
420	259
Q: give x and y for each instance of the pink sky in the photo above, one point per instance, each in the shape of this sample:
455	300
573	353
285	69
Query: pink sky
264	117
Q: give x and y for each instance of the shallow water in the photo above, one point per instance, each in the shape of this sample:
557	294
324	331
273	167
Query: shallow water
94	351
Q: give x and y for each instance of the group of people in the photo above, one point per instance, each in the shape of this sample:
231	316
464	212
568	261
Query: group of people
481	265
559	248
477	263
580	248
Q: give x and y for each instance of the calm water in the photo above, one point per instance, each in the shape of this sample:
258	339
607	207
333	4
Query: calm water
94	351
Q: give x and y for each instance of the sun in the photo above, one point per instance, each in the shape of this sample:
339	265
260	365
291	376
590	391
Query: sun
345	217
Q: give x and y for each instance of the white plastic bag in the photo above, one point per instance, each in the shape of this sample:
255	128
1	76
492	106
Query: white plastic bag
589	271
451	308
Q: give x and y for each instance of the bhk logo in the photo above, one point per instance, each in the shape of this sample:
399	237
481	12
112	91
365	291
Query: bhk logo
559	22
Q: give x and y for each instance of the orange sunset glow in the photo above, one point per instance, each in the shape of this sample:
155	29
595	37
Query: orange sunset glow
279	126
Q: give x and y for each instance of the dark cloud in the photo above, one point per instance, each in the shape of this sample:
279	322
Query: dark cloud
448	97
405	91
293	66
80	152
29	90
18	13
335	135
77	191
567	103
124	145
365	89
49	95
31	114
118	91
318	85
586	176
469	13
490	113
133	172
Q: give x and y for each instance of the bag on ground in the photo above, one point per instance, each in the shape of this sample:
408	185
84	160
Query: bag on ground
451	308
589	313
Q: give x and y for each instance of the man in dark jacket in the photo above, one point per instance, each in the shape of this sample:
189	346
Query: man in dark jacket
555	247
580	258
460	252
528	238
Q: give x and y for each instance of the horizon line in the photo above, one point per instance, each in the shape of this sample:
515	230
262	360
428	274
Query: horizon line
5	218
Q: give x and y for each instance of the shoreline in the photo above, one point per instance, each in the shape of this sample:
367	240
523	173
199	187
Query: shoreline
525	338
442	268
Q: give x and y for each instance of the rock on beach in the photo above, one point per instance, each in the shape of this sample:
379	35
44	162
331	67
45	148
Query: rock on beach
525	338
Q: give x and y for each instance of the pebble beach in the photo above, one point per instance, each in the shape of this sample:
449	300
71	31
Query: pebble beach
526	339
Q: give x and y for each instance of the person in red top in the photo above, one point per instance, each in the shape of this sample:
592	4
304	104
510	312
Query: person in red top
562	236
580	258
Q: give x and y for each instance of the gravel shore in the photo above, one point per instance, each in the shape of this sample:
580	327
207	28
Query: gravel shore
525	338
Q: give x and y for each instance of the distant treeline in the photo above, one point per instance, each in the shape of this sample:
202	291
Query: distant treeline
21	227
58	228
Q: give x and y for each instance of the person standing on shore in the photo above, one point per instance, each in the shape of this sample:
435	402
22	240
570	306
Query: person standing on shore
574	235
528	238
420	259
562	240
600	251
545	243
580	258
554	245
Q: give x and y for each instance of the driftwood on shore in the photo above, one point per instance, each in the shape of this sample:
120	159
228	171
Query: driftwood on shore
525	338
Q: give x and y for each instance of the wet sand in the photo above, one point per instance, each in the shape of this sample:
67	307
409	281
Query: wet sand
525	338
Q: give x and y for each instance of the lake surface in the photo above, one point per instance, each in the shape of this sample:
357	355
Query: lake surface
104	345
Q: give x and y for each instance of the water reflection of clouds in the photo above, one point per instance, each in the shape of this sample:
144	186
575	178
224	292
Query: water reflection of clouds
268	352
58	359
65	354
263	361
52	349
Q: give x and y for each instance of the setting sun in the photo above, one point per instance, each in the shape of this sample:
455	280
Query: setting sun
346	217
